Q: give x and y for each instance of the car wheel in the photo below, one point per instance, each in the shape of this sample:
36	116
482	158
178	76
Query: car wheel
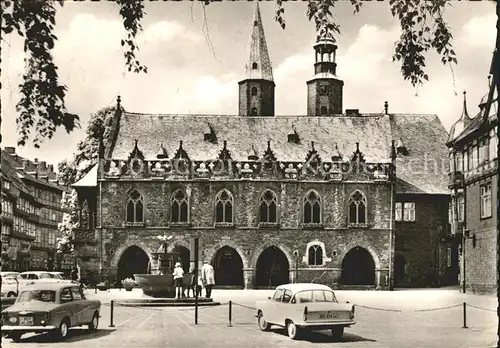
263	324
15	336
12	294
95	322
338	332
292	330
62	331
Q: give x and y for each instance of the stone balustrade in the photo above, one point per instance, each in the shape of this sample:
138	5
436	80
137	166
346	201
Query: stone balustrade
183	169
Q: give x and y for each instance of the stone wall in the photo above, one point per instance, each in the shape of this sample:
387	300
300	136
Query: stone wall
246	237
420	243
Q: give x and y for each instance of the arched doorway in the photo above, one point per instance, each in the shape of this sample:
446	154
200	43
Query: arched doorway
399	269
184	257
272	268
228	267
134	260
358	268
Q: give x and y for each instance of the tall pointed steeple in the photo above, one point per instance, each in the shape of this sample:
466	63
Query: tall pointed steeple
462	123
258	65
257	89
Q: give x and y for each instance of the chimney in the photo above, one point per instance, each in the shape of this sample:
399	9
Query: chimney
10	150
50	168
36	161
42	166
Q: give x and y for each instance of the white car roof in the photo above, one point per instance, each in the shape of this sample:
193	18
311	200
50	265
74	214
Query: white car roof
296	287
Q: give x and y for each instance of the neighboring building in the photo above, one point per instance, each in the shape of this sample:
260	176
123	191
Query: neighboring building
273	198
473	183
31	211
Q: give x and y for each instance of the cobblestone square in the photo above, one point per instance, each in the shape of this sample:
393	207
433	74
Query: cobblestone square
399	319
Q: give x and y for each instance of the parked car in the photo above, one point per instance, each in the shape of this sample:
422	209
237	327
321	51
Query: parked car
58	275
31	277
305	306
50	308
10	286
9	274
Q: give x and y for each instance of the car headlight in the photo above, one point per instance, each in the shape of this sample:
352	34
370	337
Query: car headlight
13	320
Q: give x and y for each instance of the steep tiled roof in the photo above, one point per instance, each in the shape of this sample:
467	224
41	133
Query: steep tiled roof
423	136
425	169
10	173
10	169
241	133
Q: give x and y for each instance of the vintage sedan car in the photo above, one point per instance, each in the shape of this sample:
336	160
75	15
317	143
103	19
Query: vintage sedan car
10	286
305	306
50	308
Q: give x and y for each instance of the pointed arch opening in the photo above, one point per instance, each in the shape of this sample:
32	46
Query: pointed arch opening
228	267
224	205
254	65
358	267
184	257
272	268
179	207
358	212
133	260
312	208
135	207
268	206
253	91
323	110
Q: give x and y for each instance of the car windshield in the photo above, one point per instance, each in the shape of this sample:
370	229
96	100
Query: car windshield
315	296
38	295
44	276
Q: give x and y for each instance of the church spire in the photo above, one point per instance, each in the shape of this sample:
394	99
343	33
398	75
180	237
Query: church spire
259	64
256	91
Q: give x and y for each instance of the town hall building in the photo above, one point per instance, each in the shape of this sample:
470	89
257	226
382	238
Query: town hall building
337	197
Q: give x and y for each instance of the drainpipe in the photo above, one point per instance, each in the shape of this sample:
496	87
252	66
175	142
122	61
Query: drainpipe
390	237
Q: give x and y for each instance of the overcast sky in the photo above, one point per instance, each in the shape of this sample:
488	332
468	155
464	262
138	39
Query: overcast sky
194	66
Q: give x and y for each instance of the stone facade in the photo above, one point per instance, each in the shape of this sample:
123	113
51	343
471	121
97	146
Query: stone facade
273	199
422	256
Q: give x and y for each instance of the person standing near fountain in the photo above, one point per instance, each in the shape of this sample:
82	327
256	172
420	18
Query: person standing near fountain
208	276
178	275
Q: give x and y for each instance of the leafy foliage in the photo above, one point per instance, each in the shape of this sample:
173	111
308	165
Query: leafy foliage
42	96
69	203
42	109
86	155
422	28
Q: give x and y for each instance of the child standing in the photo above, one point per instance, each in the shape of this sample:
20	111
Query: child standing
178	275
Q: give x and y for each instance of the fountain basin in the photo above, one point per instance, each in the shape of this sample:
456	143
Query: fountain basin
156	285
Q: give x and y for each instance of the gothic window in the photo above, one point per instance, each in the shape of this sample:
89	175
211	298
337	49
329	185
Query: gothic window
253	112
312	208
357	208
254	65
224	207
315	253
179	207
135	207
268	207
323	110
253	91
